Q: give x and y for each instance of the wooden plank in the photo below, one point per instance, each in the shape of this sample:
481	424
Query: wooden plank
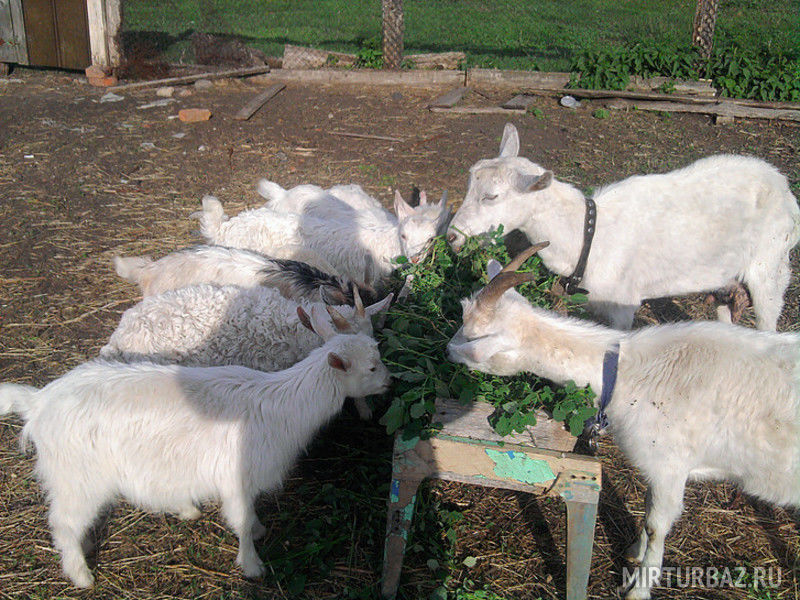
478	110
191	78
301	57
113	25
259	100
12	31
520	101
72	37
436	60
558	81
95	11
364	77
473	463
517	79
449	99
472	421
723	109
41	33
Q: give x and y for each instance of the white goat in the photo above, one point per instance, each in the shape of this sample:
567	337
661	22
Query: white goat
346	247
167	438
692	401
718	221
208	325
233	266
416	226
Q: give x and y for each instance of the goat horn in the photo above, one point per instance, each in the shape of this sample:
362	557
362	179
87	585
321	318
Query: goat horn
358	303
339	321
520	258
488	296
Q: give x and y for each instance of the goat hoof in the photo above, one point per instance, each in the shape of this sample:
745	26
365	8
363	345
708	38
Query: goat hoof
253	569
82	578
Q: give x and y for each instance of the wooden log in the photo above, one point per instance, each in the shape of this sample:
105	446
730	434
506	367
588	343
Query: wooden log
259	100
300	57
436	60
449	99
190	78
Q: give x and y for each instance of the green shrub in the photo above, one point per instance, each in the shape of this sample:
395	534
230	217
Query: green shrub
735	73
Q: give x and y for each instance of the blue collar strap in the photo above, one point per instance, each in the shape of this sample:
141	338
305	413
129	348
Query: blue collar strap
599	422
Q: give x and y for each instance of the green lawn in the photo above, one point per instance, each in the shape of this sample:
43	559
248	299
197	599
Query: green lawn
541	34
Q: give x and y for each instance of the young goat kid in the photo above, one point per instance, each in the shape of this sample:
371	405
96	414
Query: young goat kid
233	266
351	202
207	325
692	401
719	221
347	238
167	438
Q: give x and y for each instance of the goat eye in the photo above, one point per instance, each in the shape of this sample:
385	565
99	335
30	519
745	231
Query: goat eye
372	369
489	197
403	237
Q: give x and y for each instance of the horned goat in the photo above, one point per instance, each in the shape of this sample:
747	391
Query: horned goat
233	266
692	401
167	438
720	220
208	325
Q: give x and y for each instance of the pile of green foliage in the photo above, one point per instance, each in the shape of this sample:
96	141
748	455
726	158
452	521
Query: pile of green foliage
734	72
414	341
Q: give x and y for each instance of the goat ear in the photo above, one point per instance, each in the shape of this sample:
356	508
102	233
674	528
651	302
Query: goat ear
401	208
534	183
379	306
320	323
493	268
423	198
337	362
304	318
509	144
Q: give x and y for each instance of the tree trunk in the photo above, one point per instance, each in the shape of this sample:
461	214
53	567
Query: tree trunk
705	19
392	33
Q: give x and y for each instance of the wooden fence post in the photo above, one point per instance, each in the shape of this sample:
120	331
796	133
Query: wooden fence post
392	33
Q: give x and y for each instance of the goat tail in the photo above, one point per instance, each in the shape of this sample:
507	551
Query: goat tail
211	217
130	267
269	190
17	398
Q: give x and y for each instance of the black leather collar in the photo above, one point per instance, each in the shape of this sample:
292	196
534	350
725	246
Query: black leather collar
571	283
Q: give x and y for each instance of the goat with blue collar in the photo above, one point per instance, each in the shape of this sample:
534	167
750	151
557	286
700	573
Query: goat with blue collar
691	401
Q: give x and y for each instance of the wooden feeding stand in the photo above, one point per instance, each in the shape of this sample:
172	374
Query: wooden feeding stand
467	450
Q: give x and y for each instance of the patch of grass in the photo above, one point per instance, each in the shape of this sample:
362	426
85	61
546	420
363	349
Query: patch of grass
507	34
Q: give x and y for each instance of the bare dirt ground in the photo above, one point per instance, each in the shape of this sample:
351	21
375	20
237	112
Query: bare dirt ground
81	181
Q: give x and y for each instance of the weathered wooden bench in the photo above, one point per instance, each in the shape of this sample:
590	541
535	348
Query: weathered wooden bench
469	451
